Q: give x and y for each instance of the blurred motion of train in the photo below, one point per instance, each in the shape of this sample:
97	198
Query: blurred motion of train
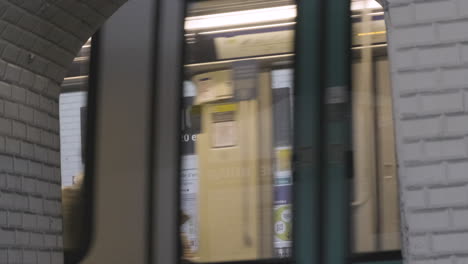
267	138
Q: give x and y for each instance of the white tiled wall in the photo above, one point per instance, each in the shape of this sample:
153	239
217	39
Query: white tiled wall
38	41
70	135
427	47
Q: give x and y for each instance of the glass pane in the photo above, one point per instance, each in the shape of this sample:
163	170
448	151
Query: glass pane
72	107
236	180
375	210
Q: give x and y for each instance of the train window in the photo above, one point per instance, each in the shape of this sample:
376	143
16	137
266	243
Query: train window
72	110
236	179
374	206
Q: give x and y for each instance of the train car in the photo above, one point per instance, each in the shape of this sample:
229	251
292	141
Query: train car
233	131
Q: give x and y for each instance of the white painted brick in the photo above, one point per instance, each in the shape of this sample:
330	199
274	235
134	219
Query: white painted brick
447	102
409	105
416	80
37	239
43	222
414	35
21	202
5	90
3	219
19	129
6	163
448	196
452	242
415	198
422	127
14	256
3	180
19	94
28	185
21	166
27	79
41	119
43	257
455	77
12	146
29	222
48	172
14	219
29	256
11	109
453	30
3	256
40	83
56	224
26	113
457	124
435	10
441	149
42	188
57	258
33	134
413	151
50	241
438	55
35	205
35	169
7	200
22	238
14	182
12	73
402	15
419	244
463	7
27	149
460	218
5	126
6	237
457	171
428	220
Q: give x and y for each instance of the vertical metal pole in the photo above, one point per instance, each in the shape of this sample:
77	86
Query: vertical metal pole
337	130
307	132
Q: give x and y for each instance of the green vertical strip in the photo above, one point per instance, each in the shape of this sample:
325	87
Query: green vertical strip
337	131
306	125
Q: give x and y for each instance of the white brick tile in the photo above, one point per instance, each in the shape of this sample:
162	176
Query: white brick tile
12	146
33	134
460	218
409	105
11	109
37	239
422	127
455	77
12	73
50	241
19	129
3	219
419	244
29	256
438	55
428	220
448	196
457	124
449	148
402	15
6	163
57	258
5	90
35	168
453	30
19	94
452	242
6	237
448	102
434	10
463	7
3	255
21	202
416	80
21	166
14	256
43	222
406	58
14	182
414	35
29	221
415	198
28	185
413	151
14	219
43	257
22	238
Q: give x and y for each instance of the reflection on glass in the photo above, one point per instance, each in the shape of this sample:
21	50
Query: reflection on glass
375	210
237	131
72	107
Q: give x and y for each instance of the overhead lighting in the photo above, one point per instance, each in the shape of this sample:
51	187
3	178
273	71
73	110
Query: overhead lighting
257	16
246	28
365	4
239	18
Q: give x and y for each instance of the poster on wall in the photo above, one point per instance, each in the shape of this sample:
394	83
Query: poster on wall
283	181
189	173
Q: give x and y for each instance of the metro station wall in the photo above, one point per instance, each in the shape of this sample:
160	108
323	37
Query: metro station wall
38	42
428	52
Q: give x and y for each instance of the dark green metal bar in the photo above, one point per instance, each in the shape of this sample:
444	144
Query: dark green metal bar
307	129
337	133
